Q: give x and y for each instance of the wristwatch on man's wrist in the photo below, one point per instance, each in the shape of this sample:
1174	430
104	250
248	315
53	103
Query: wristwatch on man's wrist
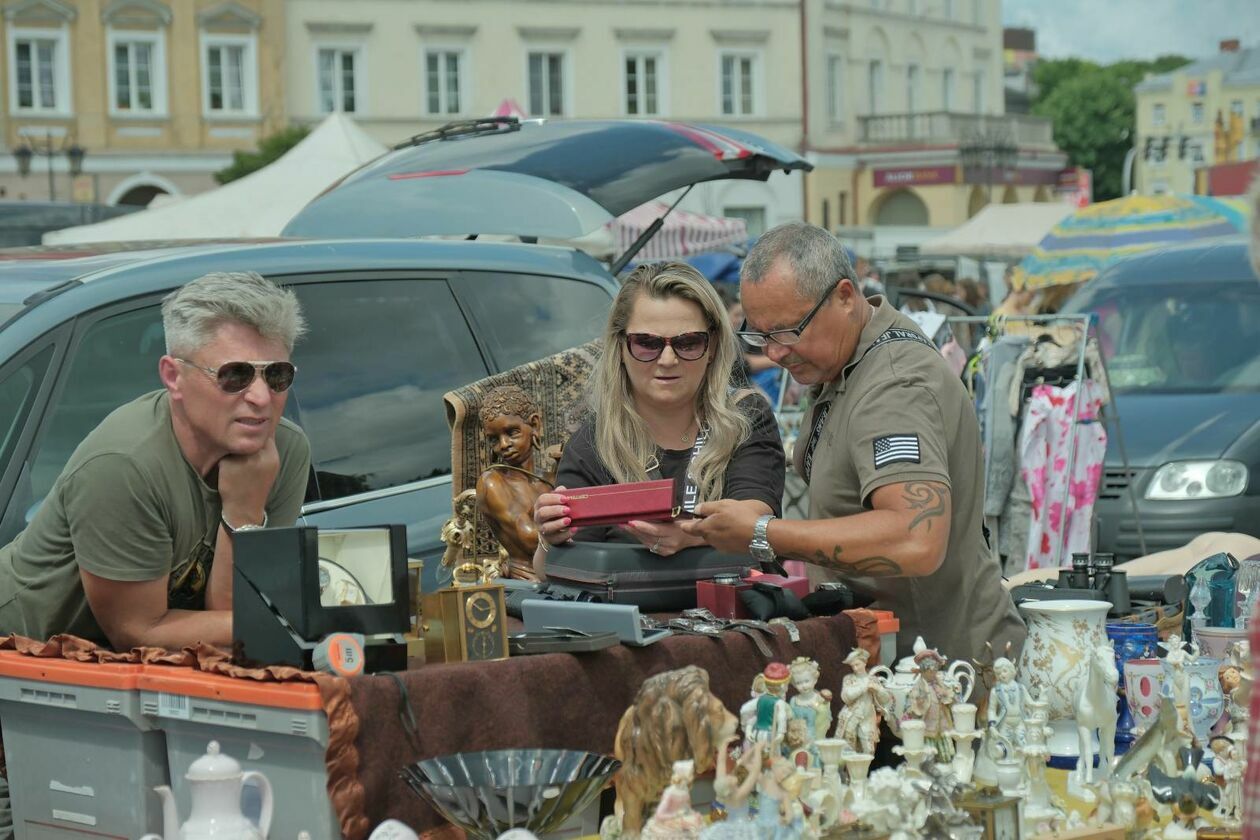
233	529
760	548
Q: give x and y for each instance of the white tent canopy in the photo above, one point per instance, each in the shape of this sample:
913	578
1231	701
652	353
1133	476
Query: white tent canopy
1000	231
258	205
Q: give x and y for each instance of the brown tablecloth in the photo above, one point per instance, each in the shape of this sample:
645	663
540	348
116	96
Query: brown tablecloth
559	700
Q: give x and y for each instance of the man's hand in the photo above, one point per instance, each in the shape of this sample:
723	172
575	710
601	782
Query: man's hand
245	483
135	614
663	538
726	524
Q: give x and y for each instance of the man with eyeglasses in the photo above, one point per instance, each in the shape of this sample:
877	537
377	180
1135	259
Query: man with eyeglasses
890	451
133	544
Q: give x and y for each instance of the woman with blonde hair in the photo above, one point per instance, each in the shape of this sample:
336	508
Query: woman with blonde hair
663	406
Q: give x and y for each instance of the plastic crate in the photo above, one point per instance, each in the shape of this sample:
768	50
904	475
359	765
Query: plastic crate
278	729
82	757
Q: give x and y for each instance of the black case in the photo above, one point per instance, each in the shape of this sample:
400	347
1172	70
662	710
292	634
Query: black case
623	573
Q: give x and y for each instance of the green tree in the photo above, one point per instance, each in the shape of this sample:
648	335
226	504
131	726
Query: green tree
1094	111
270	148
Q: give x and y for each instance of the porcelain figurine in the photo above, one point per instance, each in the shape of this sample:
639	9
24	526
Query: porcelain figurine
1235	676
512	425
1229	764
733	784
1176	661
810	703
1007	702
892	805
866	699
675	819
930	700
1095	709
215	782
798	744
770	711
1158	745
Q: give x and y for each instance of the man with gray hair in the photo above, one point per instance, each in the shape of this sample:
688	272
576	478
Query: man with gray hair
133	545
890	451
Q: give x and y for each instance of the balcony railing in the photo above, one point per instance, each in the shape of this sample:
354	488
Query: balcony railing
946	128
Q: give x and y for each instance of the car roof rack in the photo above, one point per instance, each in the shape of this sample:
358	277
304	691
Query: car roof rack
464	128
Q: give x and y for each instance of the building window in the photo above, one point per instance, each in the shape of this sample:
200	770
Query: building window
1196	113
337	83
977	93
875	87
643	83
947	9
912	7
1157	114
442	74
39	71
912	88
739	98
947	89
977	11
546	84
835	89
231	75
754	218
137	74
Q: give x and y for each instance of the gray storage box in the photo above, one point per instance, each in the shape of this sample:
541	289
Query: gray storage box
82	758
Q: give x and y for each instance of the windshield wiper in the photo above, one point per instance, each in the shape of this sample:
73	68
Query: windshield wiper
464	128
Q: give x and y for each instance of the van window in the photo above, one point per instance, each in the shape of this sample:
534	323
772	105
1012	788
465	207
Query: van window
523	317
17	391
115	362
371	374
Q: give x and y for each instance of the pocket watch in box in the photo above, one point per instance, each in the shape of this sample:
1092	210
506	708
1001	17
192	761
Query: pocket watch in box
464	624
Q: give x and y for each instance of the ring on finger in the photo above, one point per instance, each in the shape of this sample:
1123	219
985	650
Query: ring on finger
656	547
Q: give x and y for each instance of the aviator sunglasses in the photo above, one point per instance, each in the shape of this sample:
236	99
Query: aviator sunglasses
687	346
234	377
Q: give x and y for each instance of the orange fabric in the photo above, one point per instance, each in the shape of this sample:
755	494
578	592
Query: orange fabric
341	757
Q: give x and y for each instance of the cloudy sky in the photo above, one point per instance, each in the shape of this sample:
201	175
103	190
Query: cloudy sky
1107	30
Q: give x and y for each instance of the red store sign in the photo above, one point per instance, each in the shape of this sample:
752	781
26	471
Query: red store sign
916	176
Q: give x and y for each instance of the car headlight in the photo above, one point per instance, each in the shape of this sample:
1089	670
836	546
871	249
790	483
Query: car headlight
1198	480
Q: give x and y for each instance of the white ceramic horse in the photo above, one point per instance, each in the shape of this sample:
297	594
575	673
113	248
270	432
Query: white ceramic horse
1095	708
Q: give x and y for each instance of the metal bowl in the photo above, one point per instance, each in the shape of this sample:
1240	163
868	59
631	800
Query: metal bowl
487	793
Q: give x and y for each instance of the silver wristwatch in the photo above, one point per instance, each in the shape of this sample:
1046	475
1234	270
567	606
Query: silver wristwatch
760	548
233	529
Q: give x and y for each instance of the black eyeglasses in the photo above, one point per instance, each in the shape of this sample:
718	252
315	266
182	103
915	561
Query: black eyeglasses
786	337
647	347
234	377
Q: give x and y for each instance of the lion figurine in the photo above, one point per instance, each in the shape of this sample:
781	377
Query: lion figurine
675	717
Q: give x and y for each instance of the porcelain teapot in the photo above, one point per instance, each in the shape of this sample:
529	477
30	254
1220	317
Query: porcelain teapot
215	781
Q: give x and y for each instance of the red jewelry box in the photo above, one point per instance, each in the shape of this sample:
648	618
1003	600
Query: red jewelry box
616	504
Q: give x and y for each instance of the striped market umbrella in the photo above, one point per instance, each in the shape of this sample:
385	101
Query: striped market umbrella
1097	235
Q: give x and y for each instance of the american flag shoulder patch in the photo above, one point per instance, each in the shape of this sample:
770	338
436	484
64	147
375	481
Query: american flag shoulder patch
896	449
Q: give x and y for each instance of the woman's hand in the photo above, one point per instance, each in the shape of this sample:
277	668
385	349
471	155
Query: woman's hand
663	538
551	515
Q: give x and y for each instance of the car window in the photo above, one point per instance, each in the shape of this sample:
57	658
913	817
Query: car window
113	363
523	317
371	374
1189	337
17	391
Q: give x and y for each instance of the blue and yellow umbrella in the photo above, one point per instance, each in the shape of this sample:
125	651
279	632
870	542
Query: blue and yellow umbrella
1095	236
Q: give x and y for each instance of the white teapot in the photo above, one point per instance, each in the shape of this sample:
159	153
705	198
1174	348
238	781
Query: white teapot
215	781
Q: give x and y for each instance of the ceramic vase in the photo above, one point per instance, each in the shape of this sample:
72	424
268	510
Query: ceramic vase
1207	701
1132	640
1214	642
1143	681
1055	658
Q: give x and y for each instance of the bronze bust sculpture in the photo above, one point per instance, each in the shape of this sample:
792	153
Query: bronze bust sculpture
506	491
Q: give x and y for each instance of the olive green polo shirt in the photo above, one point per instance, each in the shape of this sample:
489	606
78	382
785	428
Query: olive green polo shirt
898	414
128	507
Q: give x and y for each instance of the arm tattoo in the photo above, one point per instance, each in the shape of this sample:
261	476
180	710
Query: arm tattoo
868	567
928	498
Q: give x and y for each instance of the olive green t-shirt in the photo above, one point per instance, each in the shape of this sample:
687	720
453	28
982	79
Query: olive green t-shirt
898	414
128	507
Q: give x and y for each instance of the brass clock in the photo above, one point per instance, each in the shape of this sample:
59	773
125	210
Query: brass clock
465	624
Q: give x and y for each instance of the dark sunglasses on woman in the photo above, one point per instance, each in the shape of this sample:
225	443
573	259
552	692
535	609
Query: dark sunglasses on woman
687	346
234	377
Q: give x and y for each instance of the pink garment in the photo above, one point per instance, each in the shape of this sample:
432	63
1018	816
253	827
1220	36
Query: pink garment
955	356
1043	448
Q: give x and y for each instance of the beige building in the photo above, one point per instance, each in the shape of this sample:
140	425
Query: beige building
905	117
402	68
157	94
1204	114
